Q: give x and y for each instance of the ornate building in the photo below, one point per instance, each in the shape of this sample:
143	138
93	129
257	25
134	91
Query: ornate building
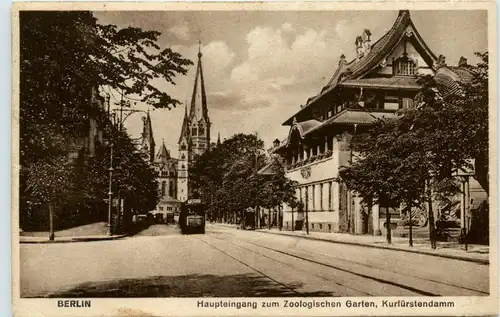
378	81
194	140
195	132
166	167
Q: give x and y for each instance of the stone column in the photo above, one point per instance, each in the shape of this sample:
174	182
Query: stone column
335	203
326	143
376	220
310	195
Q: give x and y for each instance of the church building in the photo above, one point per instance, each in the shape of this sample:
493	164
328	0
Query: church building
195	132
173	173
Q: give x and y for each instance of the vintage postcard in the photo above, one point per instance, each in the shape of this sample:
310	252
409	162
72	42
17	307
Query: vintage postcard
254	159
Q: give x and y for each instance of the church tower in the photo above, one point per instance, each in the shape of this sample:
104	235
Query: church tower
147	140
195	133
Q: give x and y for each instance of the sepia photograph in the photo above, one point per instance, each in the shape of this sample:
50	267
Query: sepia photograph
332	157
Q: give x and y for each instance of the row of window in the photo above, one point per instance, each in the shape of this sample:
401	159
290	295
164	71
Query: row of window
317	197
168	174
168	208
307	153
198	131
171	189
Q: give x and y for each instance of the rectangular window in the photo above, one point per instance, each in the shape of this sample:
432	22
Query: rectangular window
321	196
312	196
330	196
406	103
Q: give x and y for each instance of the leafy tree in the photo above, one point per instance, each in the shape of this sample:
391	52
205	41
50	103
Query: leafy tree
412	159
64	57
228	174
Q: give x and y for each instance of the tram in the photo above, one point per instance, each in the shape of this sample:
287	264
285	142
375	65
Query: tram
192	217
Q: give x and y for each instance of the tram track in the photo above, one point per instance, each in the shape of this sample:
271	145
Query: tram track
432	284
358	291
250	267
386	270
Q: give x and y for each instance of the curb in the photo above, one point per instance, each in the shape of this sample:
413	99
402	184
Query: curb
455	257
76	239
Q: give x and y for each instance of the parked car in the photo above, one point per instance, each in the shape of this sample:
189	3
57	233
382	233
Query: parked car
159	218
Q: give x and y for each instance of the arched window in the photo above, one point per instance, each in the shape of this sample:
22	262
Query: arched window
171	189
193	130
163	185
201	130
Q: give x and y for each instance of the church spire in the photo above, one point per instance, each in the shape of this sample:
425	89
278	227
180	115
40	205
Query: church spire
218	139
185	125
199	108
148	141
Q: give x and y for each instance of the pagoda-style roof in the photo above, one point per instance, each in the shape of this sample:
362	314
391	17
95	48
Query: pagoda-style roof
348	116
396	82
359	67
356	116
450	79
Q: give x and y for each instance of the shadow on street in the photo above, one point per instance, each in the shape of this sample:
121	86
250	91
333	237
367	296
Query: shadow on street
194	285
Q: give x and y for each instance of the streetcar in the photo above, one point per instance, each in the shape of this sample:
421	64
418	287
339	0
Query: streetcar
192	217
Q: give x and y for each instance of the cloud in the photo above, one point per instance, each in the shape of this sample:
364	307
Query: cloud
181	30
342	28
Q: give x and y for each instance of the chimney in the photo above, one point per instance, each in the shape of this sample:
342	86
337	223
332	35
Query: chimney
342	59
359	47
441	61
366	41
462	62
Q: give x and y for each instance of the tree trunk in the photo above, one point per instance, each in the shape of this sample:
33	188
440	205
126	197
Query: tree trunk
388	225
293	222
51	222
269	219
432	230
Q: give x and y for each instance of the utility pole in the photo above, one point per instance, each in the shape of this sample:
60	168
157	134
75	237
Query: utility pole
110	193
257	218
307	211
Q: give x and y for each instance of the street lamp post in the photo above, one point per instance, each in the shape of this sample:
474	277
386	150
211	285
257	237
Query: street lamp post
110	193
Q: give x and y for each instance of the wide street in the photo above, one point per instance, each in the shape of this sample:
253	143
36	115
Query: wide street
225	262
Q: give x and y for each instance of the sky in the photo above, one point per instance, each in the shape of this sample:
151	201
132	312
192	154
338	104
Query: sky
261	66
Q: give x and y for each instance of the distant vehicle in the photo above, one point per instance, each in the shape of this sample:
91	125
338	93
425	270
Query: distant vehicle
247	221
159	218
170	218
192	217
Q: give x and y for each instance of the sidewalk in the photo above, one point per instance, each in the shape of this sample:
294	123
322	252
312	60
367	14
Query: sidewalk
90	232
452	250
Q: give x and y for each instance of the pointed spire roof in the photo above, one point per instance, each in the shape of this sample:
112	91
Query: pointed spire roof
185	125
218	139
162	155
147	131
199	108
